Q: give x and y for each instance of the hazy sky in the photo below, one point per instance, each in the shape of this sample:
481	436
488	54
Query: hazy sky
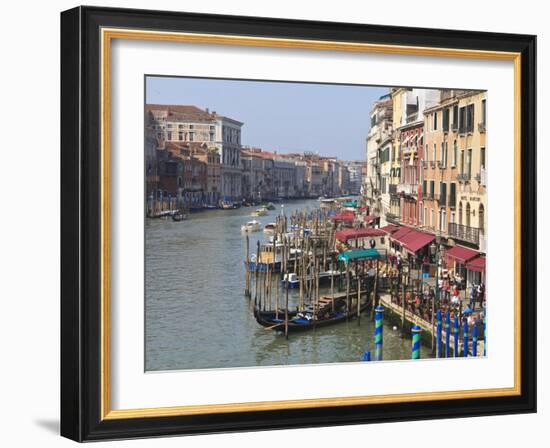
332	120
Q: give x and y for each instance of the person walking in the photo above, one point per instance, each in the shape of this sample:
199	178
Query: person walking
473	293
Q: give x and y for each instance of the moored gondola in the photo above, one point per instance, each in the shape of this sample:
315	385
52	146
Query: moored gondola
306	320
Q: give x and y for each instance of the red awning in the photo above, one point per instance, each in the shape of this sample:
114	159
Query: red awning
477	264
370	218
390	228
461	254
399	234
348	217
347	234
414	241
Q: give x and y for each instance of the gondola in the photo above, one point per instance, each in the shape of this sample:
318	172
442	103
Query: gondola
178	216
304	321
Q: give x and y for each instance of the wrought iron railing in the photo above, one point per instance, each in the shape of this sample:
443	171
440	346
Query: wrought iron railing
464	233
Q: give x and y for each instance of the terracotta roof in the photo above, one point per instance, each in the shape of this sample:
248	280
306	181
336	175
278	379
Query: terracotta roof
183	112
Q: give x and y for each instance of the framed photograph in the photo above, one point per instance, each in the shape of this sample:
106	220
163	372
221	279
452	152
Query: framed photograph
282	224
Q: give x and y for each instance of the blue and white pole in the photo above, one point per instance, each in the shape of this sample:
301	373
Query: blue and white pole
465	345
474	340
438	335
484	337
455	337
416	342
447	333
378	331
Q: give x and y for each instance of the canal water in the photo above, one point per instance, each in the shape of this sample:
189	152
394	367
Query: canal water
196	314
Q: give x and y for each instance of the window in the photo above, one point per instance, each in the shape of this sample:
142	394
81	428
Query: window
462	120
482	158
435	121
441	150
420	213
211	136
462	162
434	156
452	217
455	118
427	153
446	154
191	136
432	223
446	113
484	112
469	163
180	135
169	136
452	195
455	153
443	220
470	118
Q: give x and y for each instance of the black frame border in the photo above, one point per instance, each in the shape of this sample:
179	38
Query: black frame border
81	223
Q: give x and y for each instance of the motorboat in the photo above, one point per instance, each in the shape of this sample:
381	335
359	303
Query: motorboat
262	211
270	227
251	226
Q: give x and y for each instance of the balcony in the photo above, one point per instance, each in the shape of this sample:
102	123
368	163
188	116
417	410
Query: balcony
463	177
481	177
392	218
407	189
482	127
464	233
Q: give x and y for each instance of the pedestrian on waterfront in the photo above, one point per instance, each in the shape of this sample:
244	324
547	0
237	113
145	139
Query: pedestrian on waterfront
455	299
473	292
480	293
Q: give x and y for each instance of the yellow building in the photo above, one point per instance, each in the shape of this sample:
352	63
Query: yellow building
455	199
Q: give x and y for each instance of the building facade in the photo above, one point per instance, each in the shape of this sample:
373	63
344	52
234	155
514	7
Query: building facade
455	172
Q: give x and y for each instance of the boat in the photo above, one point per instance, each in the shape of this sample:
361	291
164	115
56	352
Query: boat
327	203
270	256
324	278
262	211
179	216
270	227
270	206
307	319
251	226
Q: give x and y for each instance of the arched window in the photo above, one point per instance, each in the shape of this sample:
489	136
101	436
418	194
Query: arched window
468	210
460	213
481	217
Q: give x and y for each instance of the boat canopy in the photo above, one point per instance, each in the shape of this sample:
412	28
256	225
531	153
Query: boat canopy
359	254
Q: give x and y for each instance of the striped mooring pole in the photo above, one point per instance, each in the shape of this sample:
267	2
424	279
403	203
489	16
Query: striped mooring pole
366	356
465	347
447	333
416	342
484	338
455	336
378	335
474	340
438	335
